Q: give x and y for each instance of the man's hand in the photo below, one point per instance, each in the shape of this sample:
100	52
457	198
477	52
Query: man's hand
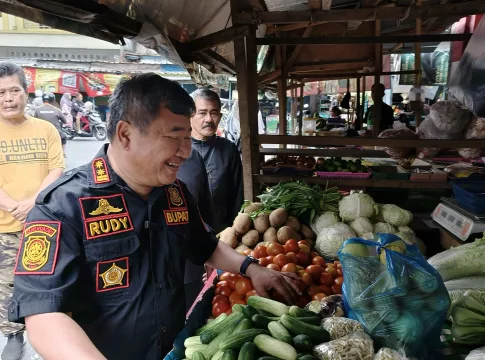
22	209
264	280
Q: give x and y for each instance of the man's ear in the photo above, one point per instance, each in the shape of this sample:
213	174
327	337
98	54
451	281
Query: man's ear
124	131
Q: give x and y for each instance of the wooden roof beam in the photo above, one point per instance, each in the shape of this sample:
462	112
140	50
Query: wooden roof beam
339	76
343	64
333	40
296	52
366	14
270	77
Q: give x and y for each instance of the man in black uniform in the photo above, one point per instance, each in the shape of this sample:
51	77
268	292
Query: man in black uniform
221	157
50	113
387	114
100	271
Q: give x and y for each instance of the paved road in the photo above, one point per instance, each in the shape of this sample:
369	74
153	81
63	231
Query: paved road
79	152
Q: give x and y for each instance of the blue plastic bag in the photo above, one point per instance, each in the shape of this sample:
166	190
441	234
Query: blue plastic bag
396	295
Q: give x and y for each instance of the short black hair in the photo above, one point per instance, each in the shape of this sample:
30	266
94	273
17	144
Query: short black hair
139	99
336	110
207	94
11	69
379	86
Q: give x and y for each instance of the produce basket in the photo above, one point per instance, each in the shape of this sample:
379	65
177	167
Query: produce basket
389	172
470	195
343	175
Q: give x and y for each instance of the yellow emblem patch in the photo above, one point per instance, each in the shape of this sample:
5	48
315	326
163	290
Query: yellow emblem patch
36	253
100	171
114	274
105	208
175	197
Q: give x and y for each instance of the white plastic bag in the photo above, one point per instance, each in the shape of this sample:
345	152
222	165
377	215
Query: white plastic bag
477	354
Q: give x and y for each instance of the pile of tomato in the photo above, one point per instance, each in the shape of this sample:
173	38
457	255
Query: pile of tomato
318	277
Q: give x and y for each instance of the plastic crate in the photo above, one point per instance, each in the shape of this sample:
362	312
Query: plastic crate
389	172
470	195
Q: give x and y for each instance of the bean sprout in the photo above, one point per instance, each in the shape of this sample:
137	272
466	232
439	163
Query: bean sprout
340	327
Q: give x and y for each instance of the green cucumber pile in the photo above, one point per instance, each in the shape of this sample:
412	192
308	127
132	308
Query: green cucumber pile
264	329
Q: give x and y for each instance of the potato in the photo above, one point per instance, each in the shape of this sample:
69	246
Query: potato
278	217
307	232
241	248
253	207
242	223
228	236
293	223
251	238
261	223
286	233
270	235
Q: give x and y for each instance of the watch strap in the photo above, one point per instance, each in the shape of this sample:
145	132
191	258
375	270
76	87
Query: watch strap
244	266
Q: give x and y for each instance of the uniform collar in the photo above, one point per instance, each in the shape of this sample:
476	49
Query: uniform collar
210	141
100	172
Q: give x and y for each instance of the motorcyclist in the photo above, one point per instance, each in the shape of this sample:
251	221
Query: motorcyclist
77	110
38	101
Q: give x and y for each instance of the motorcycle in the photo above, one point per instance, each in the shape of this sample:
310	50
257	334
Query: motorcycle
91	125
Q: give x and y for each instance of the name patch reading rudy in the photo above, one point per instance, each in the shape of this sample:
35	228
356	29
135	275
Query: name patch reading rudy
105	215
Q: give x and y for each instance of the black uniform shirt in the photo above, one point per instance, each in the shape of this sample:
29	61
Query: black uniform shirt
224	170
93	247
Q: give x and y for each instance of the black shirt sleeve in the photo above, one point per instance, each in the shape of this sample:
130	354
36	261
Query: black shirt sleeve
387	117
48	267
235	202
206	206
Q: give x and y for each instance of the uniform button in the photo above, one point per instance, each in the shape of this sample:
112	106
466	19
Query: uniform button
69	173
164	329
12	310
159	285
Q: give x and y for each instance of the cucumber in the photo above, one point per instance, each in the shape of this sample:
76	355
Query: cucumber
306	357
207	336
229	355
312	320
248	352
279	332
267	357
193	340
275	348
238	308
295	311
236	341
245	324
214	345
189	352
303	343
249	312
260	321
218	355
316	333
274	307
265	313
211	324
197	355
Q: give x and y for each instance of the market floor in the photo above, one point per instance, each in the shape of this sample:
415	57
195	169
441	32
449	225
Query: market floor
28	353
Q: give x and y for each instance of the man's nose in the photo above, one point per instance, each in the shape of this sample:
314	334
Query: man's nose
185	148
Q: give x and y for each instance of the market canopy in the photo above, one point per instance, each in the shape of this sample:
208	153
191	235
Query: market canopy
314	37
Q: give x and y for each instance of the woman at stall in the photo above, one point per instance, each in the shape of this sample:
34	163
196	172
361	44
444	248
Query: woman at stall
66	107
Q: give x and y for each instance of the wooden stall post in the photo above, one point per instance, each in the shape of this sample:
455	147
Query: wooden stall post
376	115
282	109
300	118
358	119
364	79
417	67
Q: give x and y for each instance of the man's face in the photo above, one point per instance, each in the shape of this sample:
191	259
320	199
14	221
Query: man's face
13	98
377	93
154	157
206	118
79	97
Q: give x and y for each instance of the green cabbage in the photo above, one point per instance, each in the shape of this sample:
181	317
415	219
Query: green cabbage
396	216
362	226
356	205
324	221
384	228
331	239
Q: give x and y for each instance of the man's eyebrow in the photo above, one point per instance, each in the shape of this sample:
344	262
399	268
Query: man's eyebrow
179	129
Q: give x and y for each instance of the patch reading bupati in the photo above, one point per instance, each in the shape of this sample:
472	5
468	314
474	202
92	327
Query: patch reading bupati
100	171
112	274
174	217
105	215
38	250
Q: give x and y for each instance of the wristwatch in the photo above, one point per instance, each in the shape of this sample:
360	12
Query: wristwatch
244	266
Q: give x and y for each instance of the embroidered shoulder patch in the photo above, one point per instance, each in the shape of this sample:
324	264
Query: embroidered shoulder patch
105	215
39	247
100	171
177	213
112	274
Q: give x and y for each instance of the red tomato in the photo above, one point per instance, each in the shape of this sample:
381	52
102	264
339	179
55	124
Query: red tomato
339	280
306	278
289	268
240	301
337	289
303	242
339	265
318	260
232	280
314	271
312	290
223	290
299	267
265	261
318	297
220	307
260	252
302	301
243	285
332	271
251	293
235	296
280	260
302	259
326	279
270	258
221	283
291	246
304	248
339	272
325	289
314	254
224	276
274	267
219	298
275	249
291	257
